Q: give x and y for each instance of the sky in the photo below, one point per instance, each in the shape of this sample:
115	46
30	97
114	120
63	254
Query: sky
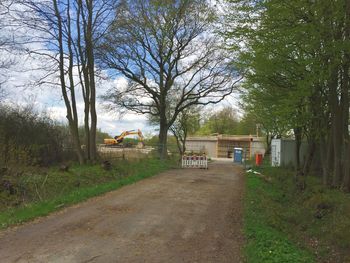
21	91
49	99
27	69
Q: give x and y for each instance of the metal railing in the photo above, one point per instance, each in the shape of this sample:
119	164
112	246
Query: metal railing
194	161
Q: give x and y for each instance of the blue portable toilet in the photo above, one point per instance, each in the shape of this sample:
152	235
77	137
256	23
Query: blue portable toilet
237	155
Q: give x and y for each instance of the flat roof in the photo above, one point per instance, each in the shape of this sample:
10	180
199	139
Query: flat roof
223	137
202	138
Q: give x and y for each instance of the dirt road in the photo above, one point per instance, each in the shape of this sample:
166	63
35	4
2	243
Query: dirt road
178	216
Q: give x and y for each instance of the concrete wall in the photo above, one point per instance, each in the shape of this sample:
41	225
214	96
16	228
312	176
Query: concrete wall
222	146
196	146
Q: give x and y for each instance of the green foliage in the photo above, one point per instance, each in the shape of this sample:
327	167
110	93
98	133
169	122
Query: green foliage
42	194
295	59
276	61
226	121
187	122
28	138
248	125
286	225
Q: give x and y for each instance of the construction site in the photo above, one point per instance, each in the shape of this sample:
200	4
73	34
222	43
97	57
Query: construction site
222	146
120	147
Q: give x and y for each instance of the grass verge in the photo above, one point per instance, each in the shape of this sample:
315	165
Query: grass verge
283	224
266	243
92	181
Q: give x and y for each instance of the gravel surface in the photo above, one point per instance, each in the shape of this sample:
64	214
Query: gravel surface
182	215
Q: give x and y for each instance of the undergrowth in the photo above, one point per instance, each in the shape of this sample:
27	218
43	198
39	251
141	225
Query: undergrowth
283	224
42	192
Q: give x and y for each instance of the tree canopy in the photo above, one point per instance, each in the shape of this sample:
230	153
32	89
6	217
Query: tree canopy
171	57
296	60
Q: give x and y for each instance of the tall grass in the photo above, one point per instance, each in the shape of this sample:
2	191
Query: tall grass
93	181
283	224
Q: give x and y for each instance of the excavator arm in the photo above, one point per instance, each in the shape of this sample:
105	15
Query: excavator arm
119	139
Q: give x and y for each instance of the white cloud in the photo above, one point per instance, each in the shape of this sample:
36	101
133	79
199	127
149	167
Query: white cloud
29	69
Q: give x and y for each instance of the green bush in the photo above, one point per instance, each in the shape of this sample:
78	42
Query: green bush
28	138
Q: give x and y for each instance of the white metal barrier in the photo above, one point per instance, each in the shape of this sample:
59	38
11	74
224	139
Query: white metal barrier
195	161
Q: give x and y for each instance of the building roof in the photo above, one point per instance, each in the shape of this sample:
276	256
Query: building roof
202	138
223	137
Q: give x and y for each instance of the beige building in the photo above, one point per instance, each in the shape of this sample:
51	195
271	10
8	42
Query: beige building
221	146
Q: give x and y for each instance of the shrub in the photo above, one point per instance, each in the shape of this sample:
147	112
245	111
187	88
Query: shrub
28	138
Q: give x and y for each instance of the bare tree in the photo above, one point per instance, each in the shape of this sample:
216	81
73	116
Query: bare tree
5	39
67	34
5	42
168	52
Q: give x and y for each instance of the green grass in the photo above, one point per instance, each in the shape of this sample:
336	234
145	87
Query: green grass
283	224
61	188
267	243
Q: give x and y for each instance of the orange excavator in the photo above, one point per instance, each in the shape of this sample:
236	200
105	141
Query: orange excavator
118	140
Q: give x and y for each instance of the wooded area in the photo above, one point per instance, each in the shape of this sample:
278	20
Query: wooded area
295	55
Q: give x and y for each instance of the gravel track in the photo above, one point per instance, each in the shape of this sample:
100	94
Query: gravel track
182	215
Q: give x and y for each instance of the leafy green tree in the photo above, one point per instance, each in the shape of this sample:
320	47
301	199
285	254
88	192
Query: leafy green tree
296	60
249	125
224	121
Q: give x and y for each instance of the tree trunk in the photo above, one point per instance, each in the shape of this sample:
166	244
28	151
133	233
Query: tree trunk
336	142
268	143
334	159
299	175
184	143
324	161
345	105
76	141
91	70
84	76
93	149
87	131
72	118
346	180
310	158
298	138
163	138
178	143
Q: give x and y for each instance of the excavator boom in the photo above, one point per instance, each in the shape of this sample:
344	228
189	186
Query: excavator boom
119	139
